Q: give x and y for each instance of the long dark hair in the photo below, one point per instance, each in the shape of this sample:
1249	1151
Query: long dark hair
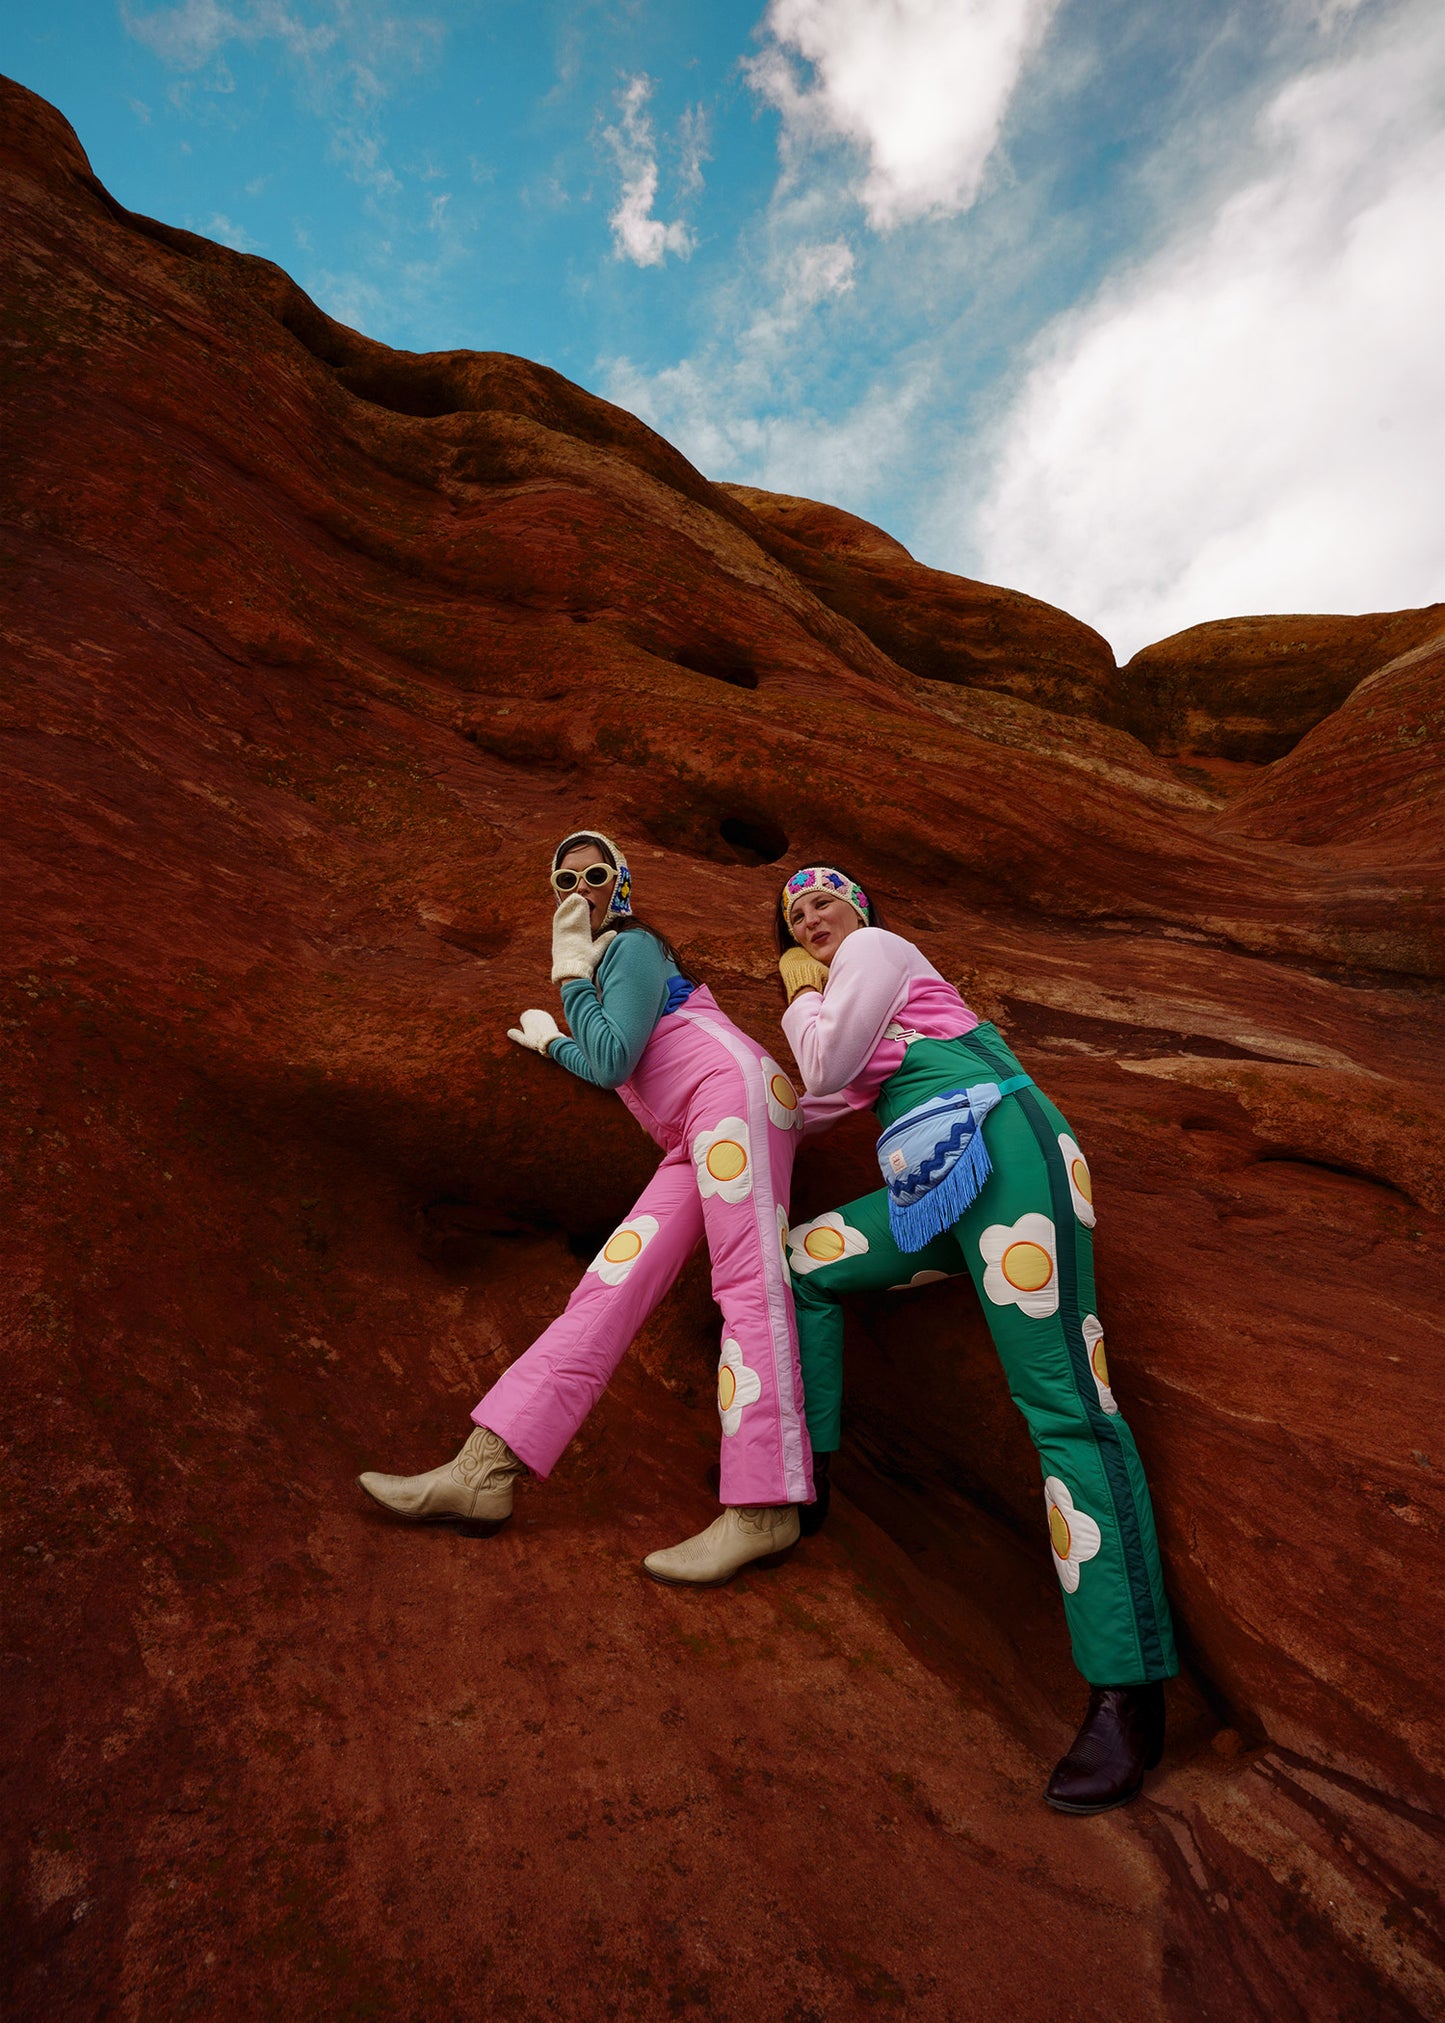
783	934
630	922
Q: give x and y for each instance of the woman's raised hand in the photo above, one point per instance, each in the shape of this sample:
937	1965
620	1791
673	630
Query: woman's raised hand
535	1030
801	971
574	953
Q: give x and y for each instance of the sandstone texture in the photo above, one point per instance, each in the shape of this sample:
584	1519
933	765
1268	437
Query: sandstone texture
945	628
311	651
1250	688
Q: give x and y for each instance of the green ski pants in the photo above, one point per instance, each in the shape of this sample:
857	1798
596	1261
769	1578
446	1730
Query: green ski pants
1026	1241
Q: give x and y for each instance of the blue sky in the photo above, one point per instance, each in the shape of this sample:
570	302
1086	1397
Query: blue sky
1134	306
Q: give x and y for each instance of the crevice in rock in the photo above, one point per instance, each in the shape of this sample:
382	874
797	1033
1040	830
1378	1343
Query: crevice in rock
722	835
1340	1167
455	1230
422	390
755	841
315	331
1045	1025
721	663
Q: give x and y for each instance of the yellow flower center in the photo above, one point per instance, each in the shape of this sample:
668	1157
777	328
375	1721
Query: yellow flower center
622	1247
727	1388
784	1094
1059	1528
1100	1362
824	1244
726	1159
1027	1266
1079	1173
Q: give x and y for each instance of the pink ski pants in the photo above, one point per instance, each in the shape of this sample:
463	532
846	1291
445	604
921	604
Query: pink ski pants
725	1116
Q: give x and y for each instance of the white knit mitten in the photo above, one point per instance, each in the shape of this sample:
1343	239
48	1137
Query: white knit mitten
536	1029
574	952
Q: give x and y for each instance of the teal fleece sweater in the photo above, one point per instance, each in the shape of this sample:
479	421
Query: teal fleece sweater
612	1017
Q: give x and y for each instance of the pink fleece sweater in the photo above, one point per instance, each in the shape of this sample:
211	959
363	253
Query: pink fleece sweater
848	1040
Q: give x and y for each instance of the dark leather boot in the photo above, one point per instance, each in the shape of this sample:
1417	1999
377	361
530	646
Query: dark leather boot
1122	1737
813	1516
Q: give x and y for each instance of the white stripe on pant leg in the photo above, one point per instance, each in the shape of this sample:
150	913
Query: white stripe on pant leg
775	1288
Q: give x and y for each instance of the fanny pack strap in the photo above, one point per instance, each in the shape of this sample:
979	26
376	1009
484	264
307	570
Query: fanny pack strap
1009	1087
985	1048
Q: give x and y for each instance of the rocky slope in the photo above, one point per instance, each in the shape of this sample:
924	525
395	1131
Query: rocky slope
311	651
1250	688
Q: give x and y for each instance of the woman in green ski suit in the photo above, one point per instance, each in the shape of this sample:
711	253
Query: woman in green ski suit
872	1024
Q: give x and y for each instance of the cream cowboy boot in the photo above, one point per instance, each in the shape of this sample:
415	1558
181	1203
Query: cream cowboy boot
477	1485
745	1532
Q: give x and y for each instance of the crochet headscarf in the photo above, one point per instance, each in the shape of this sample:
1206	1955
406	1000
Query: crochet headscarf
619	907
823	878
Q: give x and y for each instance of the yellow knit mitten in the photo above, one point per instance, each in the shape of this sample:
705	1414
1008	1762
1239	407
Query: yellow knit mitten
801	971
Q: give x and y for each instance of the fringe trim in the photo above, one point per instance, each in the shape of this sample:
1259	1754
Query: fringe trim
914	1226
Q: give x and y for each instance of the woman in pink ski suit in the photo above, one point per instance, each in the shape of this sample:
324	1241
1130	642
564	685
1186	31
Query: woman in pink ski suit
725	1115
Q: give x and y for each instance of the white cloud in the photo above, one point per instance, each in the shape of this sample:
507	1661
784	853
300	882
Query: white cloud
188	36
817	273
811	276
1250	420
692	144
1327	14
636	234
921	87
745	406
219	226
351	299
720	420
344	61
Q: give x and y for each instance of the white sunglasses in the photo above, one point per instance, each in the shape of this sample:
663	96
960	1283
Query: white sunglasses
595	875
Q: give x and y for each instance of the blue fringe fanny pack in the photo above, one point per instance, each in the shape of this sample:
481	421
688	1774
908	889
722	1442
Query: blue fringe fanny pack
934	1161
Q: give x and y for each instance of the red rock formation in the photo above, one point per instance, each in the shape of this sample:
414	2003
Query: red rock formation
1371	775
311	651
1250	688
945	628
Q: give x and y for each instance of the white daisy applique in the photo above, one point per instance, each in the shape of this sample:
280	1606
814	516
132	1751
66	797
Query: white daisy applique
1073	1534
723	1159
1081	1185
1023	1265
823	1241
782	1096
623	1248
737	1386
1098	1361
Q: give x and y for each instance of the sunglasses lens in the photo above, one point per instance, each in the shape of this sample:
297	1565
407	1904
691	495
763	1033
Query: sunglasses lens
597	874
565	881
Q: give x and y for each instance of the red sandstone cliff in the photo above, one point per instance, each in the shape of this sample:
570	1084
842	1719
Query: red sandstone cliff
1250	688
311	650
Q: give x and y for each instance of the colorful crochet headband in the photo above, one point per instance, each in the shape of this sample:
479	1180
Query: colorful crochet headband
822	878
620	904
